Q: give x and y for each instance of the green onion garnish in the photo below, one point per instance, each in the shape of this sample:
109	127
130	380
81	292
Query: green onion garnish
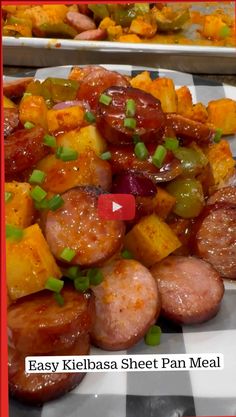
72	272
105	156
141	151
50	141
68	254
153	336
130	123
224	31
130	108
81	283
95	276
55	202
28	125
217	136
89	117
59	299
37	177
66	154
159	156
41	205
171	144
136	138
105	99
13	232
54	284
8	196
27	95
126	254
38	194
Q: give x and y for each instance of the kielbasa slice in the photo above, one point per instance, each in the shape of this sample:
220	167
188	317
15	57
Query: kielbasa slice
189	130
80	21
223	195
127	304
37	324
39	388
191	289
11	120
96	82
76	225
92	35
215	239
149	117
16	88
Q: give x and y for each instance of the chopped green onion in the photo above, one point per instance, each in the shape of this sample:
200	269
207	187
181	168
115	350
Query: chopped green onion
130	123
27	95
153	336
38	194
105	156
130	108
55	202
224	31
8	196
72	272
159	156
50	141
54	284
37	177
171	144
68	254
136	138
217	136
59	299
13	232
105	99
28	125
66	154
81	283
126	254
89	117
141	151
95	276
41	205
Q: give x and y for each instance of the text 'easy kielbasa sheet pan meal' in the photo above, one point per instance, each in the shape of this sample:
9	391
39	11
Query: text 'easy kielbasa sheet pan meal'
176	35
163	282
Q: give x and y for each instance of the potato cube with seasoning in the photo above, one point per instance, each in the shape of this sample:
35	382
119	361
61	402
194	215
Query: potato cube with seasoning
19	207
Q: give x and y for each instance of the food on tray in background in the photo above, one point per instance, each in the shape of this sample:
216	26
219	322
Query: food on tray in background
72	275
170	22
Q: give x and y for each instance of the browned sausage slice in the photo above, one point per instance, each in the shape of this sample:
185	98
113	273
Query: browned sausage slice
190	130
215	239
39	388
127	304
37	324
191	290
76	225
80	21
92	35
11	121
16	89
223	195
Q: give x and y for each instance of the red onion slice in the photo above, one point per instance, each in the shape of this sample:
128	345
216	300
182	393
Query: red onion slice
133	183
65	104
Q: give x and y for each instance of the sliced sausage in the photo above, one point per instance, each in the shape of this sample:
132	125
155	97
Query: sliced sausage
223	195
76	225
92	35
80	21
39	388
23	149
127	304
191	290
190	130
215	239
96	82
37	324
16	89
150	119
10	120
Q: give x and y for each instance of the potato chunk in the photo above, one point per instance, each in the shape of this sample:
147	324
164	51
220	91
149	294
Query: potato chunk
142	81
65	119
221	161
81	140
222	114
33	109
29	263
19	210
164	90
151	240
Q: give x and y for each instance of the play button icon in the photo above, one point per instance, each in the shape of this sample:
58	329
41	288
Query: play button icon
116	206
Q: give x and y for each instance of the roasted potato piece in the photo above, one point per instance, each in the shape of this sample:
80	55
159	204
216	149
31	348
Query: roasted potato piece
215	28
65	119
164	90
33	109
151	240
142	81
19	210
161	204
222	114
29	263
132	38
221	161
81	140
106	23
143	27
184	101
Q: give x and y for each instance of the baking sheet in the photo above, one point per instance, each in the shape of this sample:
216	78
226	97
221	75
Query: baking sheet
41	52
164	394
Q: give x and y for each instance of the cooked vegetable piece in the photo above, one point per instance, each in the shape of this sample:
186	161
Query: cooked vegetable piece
176	22
151	240
60	89
161	204
222	114
65	119
143	26
189	197
33	109
142	81
215	28
8	104
19	211
58	30
28	274
192	160
221	161
81	140
164	90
